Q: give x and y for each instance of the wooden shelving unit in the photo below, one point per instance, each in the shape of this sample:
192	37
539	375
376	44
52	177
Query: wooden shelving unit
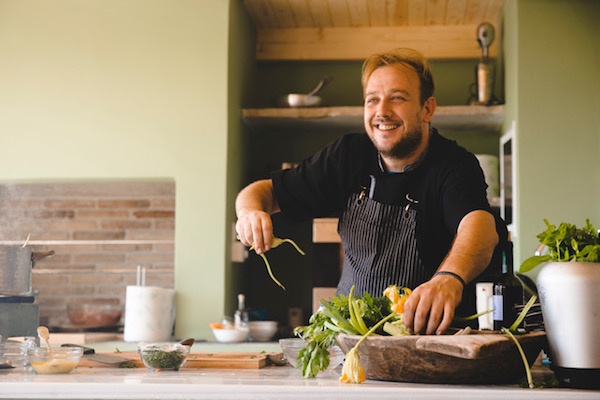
350	119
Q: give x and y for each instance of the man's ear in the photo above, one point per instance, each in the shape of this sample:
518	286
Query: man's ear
429	109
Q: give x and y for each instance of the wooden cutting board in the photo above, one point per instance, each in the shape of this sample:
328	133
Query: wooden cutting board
474	359
228	360
474	346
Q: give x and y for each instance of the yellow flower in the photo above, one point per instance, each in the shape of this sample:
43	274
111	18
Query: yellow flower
352	372
394	294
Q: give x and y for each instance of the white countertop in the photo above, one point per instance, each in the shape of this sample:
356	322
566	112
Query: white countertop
265	383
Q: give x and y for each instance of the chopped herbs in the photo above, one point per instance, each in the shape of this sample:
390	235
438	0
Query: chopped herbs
161	359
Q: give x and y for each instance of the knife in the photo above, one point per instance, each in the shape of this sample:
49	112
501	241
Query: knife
90	354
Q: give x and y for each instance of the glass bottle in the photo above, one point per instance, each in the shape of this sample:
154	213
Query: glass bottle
508	292
240	317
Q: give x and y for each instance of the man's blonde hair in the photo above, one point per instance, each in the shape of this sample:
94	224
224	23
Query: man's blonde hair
402	57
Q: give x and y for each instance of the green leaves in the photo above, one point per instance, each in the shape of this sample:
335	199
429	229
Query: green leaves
352	315
566	243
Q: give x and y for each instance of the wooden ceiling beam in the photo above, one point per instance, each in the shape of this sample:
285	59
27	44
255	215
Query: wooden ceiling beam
356	43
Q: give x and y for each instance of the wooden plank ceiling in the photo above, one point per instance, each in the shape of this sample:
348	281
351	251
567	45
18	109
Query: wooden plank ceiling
354	29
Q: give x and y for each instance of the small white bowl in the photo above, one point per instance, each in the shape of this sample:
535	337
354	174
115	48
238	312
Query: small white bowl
235	335
262	331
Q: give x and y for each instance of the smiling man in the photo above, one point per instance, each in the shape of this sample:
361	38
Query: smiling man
412	205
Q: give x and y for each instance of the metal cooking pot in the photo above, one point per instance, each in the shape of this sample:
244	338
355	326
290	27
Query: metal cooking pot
16	263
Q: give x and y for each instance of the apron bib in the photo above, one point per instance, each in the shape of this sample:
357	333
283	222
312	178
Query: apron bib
380	247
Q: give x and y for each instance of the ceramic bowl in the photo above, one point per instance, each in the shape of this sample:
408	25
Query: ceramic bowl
94	314
291	349
233	335
163	356
56	360
262	331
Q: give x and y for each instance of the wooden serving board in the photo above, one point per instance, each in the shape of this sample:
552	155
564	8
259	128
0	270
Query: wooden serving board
473	346
228	360
476	358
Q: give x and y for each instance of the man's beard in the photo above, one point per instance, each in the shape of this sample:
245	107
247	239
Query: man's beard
406	146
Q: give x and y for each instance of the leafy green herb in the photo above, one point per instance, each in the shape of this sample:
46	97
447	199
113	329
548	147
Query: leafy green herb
566	243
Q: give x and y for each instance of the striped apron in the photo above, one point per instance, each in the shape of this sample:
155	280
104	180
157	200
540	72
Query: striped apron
380	246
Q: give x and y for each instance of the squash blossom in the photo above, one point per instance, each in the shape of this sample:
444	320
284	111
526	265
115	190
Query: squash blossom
398	296
352	371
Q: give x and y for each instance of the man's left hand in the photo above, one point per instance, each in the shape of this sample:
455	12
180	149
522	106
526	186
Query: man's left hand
430	307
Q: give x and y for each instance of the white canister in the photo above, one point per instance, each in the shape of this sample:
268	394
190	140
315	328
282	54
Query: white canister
149	314
484	298
490	166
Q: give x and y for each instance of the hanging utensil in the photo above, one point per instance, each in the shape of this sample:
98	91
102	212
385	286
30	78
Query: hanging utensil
485	37
485	69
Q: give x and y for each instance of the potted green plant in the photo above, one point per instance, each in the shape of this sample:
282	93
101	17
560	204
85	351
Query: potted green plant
567	279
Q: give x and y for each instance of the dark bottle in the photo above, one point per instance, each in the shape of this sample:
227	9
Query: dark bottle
508	292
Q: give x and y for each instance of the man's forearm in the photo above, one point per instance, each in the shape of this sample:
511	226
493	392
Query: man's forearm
257	196
473	246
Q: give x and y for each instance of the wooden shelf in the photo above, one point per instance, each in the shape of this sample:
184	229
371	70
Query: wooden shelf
350	119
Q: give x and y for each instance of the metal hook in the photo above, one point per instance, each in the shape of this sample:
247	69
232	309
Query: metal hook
410	201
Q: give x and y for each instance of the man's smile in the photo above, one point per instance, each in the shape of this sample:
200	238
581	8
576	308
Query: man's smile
386	127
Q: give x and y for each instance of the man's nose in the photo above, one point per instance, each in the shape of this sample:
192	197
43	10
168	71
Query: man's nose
383	109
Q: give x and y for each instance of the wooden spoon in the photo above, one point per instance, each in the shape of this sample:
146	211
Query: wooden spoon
45	335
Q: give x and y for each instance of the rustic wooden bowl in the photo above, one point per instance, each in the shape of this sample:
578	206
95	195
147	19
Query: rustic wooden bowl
476	358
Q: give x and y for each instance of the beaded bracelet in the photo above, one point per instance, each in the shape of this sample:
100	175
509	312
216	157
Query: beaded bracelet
461	280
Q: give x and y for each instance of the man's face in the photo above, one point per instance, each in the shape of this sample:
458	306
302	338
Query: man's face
394	118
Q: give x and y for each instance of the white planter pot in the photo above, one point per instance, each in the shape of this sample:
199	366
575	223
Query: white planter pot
570	297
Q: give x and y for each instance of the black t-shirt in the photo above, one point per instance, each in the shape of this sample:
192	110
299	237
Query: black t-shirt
448	183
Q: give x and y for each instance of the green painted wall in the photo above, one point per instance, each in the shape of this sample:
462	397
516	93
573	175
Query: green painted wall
553	95
127	90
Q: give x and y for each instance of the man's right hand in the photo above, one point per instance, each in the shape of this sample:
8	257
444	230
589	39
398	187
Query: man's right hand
255	228
254	206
